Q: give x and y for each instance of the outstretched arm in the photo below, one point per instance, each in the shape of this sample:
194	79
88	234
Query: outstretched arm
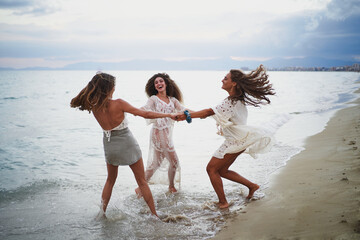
202	113
127	107
198	114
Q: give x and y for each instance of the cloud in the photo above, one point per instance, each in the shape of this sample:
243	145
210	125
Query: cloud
333	32
335	38
27	32
340	9
336	10
30	7
188	29
5	4
308	33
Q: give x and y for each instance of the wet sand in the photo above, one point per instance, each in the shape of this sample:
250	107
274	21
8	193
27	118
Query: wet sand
316	195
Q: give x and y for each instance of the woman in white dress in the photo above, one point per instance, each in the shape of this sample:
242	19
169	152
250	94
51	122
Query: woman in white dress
164	97
231	118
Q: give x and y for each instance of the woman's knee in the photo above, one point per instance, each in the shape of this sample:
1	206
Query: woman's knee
112	174
210	169
223	172
214	166
140	177
111	180
173	165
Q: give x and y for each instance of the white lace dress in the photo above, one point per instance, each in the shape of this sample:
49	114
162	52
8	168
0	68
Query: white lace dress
231	119
162	160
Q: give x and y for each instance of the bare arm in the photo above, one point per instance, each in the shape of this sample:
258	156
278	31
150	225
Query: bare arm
202	113
127	107
198	114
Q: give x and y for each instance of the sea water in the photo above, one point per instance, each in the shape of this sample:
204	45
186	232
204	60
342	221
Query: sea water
52	166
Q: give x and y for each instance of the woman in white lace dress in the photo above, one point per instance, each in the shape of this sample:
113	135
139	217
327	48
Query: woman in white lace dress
231	118
164	97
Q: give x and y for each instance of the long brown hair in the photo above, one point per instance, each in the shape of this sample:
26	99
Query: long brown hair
172	88
251	88
95	95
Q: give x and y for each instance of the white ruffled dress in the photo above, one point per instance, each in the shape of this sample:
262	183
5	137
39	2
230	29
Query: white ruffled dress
162	155
231	119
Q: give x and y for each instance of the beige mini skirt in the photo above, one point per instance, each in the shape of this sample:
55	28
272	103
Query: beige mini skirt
121	148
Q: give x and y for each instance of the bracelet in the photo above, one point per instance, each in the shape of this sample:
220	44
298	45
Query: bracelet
188	116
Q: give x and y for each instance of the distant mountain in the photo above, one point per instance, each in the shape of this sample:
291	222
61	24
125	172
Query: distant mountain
5	69
29	69
215	64
210	64
219	64
39	68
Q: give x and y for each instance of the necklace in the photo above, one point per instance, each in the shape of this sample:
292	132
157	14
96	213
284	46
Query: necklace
164	99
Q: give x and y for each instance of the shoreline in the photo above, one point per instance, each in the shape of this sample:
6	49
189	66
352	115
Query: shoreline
316	195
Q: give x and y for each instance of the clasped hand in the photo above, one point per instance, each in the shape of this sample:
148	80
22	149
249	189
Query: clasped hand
178	116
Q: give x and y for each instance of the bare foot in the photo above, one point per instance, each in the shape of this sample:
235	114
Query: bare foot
252	190
222	205
101	215
138	193
172	189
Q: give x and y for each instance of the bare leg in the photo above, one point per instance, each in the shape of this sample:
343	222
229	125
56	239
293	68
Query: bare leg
150	170
212	169
138	170
173	160
157	157
234	176
109	184
218	168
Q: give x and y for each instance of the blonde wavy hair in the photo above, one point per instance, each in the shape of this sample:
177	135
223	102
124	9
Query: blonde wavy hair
95	95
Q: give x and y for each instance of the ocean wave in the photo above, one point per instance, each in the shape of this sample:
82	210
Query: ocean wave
345	98
326	105
22	192
276	122
14	98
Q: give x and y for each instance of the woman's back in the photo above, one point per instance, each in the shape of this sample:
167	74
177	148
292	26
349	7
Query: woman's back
112	116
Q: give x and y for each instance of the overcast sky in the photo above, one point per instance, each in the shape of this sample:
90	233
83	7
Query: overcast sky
59	32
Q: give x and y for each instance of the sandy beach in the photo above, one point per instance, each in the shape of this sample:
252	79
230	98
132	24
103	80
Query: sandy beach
316	195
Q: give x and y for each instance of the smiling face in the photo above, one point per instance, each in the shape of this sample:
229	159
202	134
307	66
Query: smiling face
227	83
160	84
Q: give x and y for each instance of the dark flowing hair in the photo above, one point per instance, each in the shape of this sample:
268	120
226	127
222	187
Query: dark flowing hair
172	88
252	88
95	95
